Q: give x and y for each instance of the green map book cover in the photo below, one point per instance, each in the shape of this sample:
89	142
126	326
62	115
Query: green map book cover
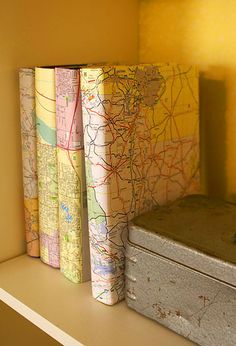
45	98
141	140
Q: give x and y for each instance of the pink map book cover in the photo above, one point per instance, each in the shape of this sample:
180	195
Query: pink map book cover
73	217
141	139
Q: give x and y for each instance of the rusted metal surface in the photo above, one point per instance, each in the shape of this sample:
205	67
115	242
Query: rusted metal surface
180	269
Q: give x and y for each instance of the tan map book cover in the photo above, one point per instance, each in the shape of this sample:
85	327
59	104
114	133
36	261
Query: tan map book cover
29	158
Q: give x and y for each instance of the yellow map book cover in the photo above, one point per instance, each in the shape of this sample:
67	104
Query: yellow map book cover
29	159
45	98
73	217
141	140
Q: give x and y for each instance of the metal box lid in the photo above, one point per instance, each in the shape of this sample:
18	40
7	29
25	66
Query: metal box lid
197	231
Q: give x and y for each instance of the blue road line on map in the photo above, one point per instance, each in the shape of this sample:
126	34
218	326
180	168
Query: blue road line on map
68	217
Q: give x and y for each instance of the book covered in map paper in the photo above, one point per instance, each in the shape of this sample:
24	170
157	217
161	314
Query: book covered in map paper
29	161
141	139
45	97
73	217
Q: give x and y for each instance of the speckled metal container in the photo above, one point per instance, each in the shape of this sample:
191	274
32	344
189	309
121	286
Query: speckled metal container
181	268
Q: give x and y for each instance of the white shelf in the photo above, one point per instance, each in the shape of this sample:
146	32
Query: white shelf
69	314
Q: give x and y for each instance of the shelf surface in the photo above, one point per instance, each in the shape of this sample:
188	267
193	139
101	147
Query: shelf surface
69	314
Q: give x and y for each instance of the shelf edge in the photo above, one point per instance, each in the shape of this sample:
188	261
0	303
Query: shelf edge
41	322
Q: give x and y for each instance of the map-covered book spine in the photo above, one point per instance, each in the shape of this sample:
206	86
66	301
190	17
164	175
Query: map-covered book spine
73	216
29	159
45	99
141	139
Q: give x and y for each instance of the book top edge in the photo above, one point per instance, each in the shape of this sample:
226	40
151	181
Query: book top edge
104	65
26	69
170	64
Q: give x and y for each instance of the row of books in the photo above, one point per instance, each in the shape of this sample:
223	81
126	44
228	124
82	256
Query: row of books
100	145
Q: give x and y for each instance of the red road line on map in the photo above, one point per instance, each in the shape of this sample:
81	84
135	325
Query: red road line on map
93	111
48	98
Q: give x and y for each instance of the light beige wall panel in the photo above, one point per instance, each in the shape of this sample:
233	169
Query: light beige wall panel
41	33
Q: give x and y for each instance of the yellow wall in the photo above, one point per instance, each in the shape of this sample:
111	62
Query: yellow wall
201	32
49	32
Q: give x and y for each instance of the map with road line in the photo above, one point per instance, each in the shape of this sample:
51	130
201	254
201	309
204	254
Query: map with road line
73	228
45	100
141	139
29	159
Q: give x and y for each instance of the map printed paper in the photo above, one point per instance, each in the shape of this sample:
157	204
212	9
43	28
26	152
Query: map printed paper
47	165
141	130
73	218
29	160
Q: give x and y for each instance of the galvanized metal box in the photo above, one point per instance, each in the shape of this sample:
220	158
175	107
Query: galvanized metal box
181	268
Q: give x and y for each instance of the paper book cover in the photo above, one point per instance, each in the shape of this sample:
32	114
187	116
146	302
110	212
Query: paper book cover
73	217
45	99
29	159
141	139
